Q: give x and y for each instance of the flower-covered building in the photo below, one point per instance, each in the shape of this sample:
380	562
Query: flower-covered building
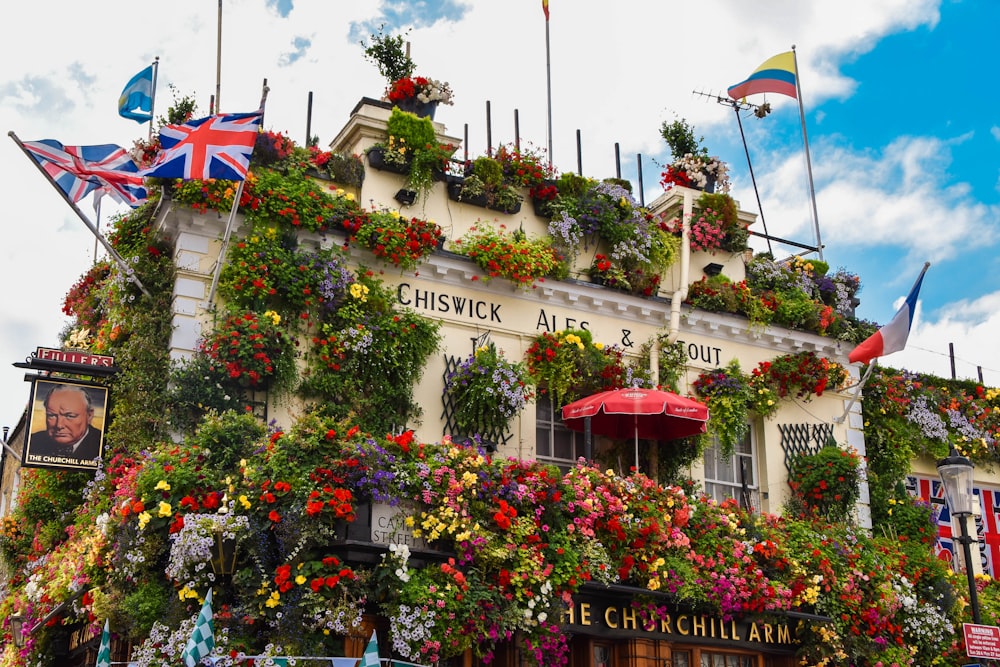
341	410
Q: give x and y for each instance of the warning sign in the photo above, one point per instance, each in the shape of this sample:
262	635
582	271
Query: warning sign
982	641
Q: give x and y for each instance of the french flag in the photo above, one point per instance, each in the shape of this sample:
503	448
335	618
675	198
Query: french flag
892	337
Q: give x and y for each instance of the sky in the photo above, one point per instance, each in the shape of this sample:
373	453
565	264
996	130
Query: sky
899	97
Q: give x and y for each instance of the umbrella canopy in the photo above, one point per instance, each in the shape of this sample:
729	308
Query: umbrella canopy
649	414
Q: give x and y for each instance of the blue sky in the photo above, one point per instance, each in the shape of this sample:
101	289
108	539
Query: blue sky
900	99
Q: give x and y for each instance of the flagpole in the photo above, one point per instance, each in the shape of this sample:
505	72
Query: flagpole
152	97
218	63
805	140
548	79
225	242
97	225
857	393
122	264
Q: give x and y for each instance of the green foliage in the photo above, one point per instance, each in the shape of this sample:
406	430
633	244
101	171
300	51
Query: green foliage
680	138
230	436
511	255
267	270
487	391
826	483
414	139
293	201
144	606
137	332
389	54
728	395
568	364
367	358
181	111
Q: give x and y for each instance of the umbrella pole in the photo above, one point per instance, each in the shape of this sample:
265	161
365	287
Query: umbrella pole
587	434
635	419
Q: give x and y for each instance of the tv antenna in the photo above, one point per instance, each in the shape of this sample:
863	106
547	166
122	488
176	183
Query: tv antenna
760	111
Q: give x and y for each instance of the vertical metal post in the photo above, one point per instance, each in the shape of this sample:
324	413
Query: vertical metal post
489	130
579	154
966	541
618	162
309	119
517	132
642	189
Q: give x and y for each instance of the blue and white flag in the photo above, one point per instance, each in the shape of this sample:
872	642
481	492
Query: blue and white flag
370	657
104	652
136	101
202	639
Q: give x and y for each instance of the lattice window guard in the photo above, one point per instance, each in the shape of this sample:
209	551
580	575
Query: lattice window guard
489	441
803	440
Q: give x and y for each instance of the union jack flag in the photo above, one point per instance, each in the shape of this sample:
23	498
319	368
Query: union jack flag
213	147
78	170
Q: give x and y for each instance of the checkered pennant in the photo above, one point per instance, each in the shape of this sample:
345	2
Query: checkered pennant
104	652
202	639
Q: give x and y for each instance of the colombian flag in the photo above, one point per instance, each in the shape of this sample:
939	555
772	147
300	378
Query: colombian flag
545	8
775	75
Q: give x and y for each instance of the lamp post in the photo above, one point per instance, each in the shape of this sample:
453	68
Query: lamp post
956	475
17	631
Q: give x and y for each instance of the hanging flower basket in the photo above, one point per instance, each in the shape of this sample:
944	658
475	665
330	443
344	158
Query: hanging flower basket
376	159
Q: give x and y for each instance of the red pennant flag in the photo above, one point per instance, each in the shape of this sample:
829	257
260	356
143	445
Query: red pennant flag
545	8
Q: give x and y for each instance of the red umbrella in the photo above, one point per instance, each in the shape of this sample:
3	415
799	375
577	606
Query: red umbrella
650	414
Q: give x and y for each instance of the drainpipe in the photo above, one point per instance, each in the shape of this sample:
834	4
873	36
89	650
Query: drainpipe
677	298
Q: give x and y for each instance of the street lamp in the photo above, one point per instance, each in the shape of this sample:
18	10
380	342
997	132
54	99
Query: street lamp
17	631
956	475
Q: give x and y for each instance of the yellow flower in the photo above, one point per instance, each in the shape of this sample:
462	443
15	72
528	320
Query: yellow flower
144	519
359	291
165	509
162	485
245	502
599	346
274	317
274	600
350	197
300	580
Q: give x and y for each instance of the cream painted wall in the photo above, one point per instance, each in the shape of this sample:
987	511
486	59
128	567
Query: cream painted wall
452	290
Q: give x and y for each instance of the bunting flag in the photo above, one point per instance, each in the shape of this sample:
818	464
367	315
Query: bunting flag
136	100
775	75
370	657
892	337
79	170
202	639
104	652
545	8
213	147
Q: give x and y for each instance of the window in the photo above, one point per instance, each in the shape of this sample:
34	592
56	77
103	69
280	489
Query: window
735	477
553	441
727	660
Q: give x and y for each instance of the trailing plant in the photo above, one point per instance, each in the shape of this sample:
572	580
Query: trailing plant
401	241
511	255
487	391
251	351
367	356
568	364
728	396
827	483
801	375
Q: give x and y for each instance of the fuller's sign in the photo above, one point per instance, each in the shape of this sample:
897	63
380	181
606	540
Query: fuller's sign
76	357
